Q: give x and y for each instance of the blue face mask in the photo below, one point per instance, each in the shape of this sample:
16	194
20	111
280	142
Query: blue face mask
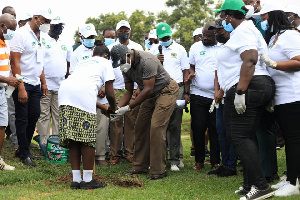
228	27
108	41
89	42
9	34
264	25
147	44
166	44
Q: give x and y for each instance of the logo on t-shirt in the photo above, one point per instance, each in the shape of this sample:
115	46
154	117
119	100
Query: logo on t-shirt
174	55
85	57
43	41
63	47
33	44
202	52
48	46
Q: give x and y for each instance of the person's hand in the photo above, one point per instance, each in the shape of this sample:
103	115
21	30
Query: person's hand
13	81
213	106
266	59
239	103
101	92
219	96
190	77
186	97
137	92
44	89
123	110
22	95
161	57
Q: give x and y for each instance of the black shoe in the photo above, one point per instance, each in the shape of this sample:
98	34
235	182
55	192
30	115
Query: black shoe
17	153
156	177
75	185
35	157
27	161
259	194
227	172
93	184
242	191
219	170
133	172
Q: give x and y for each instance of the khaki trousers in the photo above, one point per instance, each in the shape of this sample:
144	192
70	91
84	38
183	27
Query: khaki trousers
150	130
49	110
102	133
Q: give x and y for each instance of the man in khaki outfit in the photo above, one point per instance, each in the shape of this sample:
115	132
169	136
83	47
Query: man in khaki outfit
157	101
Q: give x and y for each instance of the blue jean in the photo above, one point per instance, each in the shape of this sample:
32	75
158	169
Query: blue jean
241	128
229	158
27	115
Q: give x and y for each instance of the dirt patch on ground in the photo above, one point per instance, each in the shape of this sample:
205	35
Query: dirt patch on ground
123	181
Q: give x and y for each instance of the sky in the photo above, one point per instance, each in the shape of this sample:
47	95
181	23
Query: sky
75	13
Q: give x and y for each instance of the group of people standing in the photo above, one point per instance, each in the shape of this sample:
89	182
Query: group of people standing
240	78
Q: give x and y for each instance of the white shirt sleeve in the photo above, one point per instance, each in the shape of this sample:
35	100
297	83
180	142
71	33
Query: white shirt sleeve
184	60
191	56
17	44
108	73
73	62
69	53
291	47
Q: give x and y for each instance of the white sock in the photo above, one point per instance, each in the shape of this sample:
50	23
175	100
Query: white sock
87	175
76	176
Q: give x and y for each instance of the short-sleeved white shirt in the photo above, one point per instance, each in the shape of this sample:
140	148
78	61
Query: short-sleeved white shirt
80	89
245	37
57	54
26	42
287	83
119	82
81	53
175	60
204	59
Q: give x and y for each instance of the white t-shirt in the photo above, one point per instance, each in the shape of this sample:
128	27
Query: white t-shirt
175	60
245	37
287	83
204	59
80	89
32	58
119	82
81	53
57	54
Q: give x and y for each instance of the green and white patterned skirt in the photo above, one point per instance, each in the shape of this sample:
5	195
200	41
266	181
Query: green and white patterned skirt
77	125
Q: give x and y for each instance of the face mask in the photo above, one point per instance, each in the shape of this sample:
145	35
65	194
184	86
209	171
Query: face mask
123	37
221	38
125	67
147	44
44	28
89	42
166	44
228	27
9	34
264	25
108	41
80	39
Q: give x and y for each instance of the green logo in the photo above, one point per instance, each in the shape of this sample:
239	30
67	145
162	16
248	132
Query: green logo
202	52
63	47
85	57
50	11
33	44
43	41
88	28
48	46
174	55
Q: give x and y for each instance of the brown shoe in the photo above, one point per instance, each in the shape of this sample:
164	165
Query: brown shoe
114	160
155	177
198	166
129	159
215	166
133	172
102	163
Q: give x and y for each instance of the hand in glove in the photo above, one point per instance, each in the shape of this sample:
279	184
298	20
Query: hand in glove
266	59
213	106
123	110
239	103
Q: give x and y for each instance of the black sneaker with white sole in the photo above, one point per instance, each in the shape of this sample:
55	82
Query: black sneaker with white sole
93	184
242	191
256	194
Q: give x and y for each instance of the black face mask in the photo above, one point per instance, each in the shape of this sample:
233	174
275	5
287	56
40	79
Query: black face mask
208	42
221	38
123	37
54	33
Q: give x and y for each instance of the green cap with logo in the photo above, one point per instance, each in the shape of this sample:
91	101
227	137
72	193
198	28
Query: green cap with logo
232	5
163	30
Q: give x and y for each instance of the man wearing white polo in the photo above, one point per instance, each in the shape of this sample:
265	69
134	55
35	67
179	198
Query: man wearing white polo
88	34
57	60
27	60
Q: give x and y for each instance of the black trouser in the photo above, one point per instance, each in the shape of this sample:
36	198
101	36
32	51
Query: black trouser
27	115
288	118
201	120
241	128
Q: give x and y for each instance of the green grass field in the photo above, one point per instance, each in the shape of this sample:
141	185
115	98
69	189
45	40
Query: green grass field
41	182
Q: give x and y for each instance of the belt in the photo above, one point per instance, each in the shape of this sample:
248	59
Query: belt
180	84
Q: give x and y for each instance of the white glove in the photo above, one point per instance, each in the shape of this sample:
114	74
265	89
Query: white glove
250	11
123	110
213	105
266	59
239	103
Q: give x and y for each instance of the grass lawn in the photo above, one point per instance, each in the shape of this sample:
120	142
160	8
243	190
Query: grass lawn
41	182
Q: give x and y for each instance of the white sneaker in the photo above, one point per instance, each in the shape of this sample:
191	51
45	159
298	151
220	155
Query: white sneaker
174	168
287	190
4	166
181	165
280	183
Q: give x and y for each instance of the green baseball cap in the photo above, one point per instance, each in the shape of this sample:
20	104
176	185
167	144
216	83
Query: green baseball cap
232	5
163	30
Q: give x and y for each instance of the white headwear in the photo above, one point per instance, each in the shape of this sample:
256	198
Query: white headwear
198	31
123	23
87	30
47	13
152	34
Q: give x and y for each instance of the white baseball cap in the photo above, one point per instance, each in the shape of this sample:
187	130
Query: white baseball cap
292	8
87	30
198	31
268	7
57	20
152	34
123	23
47	13
24	16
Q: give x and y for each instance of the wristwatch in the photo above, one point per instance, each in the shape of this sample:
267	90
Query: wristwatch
188	93
240	92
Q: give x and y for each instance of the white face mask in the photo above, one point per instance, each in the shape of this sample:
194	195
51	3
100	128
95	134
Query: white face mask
125	67
44	27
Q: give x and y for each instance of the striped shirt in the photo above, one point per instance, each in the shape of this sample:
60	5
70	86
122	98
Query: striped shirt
4	61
